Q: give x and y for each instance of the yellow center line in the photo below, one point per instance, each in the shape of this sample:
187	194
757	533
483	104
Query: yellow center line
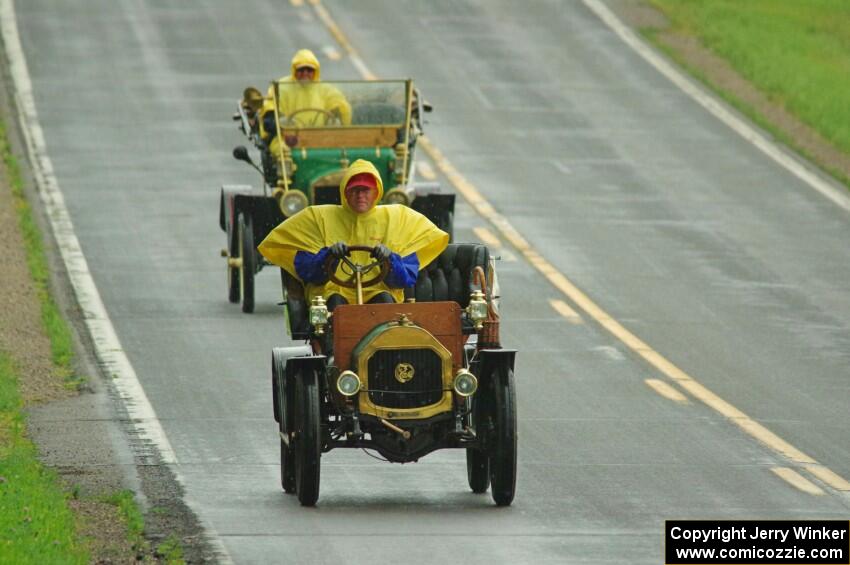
580	299
331	53
797	480
564	310
829	477
666	390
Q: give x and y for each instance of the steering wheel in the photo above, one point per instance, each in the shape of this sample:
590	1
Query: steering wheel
331	119
351	281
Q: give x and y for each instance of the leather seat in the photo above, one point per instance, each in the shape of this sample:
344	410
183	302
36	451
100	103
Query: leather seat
450	276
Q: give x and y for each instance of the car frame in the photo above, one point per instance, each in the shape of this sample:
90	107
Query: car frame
403	380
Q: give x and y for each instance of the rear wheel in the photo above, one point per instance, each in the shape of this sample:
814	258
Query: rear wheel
308	440
287	467
233	290
503	445
477	461
247	267
477	470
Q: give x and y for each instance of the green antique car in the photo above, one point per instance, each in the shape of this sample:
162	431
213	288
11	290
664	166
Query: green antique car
324	127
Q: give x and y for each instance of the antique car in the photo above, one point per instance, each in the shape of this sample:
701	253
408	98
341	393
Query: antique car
381	124
401	379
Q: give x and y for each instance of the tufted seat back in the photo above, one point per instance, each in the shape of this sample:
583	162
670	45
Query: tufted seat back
450	276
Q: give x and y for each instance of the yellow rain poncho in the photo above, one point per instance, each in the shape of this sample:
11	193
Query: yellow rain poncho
400	228
300	96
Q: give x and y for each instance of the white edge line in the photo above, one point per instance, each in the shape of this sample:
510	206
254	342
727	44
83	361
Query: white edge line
107	346
715	107
110	354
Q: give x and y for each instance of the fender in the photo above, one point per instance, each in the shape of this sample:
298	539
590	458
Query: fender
226	213
280	362
263	211
490	360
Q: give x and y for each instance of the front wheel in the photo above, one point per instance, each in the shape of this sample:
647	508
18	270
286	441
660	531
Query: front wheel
247	266
504	445
308	440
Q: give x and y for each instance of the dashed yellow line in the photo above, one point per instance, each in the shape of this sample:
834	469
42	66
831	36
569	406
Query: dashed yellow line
580	299
564	310
426	170
331	53
340	38
297	3
797	480
487	237
666	390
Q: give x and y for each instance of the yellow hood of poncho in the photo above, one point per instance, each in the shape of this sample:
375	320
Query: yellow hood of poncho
400	228
305	58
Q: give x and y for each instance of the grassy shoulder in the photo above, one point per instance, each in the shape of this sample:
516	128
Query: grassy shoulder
36	525
58	332
796	53
43	520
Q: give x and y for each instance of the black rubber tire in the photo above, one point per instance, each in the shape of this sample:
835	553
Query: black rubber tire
504	442
233	284
247	252
287	468
477	460
283	415
477	470
308	440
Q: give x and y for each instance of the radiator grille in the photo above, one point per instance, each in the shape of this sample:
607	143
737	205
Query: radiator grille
425	388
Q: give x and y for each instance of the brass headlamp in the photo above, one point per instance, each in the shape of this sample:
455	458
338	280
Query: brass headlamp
397	195
319	314
290	201
477	309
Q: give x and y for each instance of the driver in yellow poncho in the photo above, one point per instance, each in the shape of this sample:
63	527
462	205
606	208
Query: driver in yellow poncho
301	92
408	240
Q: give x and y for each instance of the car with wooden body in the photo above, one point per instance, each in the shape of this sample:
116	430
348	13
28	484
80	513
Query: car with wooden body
402	380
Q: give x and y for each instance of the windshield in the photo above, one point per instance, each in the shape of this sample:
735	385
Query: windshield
341	104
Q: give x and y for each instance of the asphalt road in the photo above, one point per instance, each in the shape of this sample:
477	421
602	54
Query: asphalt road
718	259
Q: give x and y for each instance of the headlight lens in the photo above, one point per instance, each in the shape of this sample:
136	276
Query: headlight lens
348	383
465	383
291	202
397	196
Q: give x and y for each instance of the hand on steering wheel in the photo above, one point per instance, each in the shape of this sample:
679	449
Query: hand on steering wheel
351	282
331	119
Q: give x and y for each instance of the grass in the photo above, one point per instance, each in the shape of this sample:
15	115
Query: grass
61	343
36	525
169	551
796	52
